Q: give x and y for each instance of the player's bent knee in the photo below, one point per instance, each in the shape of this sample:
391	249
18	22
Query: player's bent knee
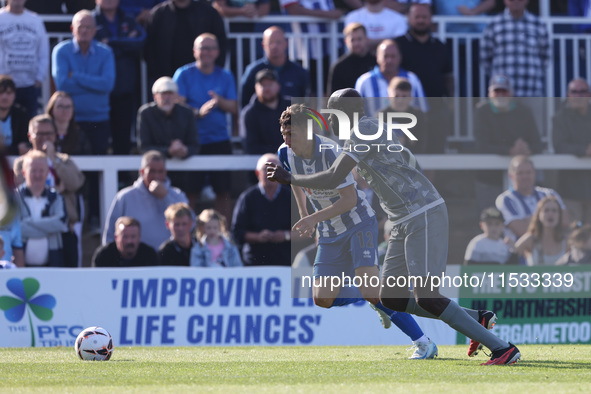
323	302
372	300
432	305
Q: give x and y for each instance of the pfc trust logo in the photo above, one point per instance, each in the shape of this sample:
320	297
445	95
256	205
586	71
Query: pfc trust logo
25	301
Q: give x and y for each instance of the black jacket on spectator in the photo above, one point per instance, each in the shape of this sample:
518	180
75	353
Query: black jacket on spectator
496	132
571	134
431	61
20	128
261	126
171	33
53	6
156	130
109	256
345	71
171	253
253	212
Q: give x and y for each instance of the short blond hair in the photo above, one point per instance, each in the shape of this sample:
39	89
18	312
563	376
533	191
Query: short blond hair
354	26
178	210
32	155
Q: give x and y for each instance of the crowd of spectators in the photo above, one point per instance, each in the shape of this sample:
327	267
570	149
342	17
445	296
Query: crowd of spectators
391	57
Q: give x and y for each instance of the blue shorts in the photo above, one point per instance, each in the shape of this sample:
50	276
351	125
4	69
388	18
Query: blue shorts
348	251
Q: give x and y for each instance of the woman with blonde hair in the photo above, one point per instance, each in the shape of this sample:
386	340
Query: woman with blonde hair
544	242
213	247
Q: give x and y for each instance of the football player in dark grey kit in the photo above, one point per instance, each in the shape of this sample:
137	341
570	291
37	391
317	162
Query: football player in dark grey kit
418	243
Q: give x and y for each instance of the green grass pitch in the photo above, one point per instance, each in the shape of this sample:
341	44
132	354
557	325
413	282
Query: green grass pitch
336	369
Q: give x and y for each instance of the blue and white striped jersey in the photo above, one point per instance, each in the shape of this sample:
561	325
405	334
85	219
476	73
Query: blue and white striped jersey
321	199
374	88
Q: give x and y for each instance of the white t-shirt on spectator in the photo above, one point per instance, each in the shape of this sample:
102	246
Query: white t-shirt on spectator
382	25
482	249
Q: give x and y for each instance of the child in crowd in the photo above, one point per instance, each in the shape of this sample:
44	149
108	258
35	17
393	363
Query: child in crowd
213	247
180	222
401	100
4	263
580	246
490	247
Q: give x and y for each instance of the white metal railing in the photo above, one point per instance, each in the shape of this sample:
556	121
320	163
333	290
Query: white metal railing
571	57
109	166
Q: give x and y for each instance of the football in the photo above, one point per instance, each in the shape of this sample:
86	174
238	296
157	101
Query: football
94	344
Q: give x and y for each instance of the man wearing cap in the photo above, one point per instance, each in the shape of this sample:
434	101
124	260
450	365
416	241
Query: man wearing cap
516	44
491	247
502	126
258	120
165	125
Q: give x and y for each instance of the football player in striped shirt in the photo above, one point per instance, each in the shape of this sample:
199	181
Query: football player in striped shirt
347	230
417	248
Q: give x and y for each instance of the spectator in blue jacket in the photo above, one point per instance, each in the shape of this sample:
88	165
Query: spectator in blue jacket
85	69
126	38
139	9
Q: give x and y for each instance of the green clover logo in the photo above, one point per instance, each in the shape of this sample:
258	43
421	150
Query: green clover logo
14	308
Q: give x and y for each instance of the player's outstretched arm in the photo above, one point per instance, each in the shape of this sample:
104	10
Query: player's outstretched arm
300	198
346	202
328	179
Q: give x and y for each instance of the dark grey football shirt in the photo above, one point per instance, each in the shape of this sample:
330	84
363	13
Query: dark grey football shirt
395	177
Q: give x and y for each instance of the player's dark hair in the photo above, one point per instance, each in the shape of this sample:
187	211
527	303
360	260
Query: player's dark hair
296	114
347	100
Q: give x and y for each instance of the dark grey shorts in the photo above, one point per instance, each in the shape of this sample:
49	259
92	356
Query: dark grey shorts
418	246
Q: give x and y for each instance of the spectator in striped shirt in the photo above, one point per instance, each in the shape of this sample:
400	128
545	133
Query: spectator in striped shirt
375	82
519	202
